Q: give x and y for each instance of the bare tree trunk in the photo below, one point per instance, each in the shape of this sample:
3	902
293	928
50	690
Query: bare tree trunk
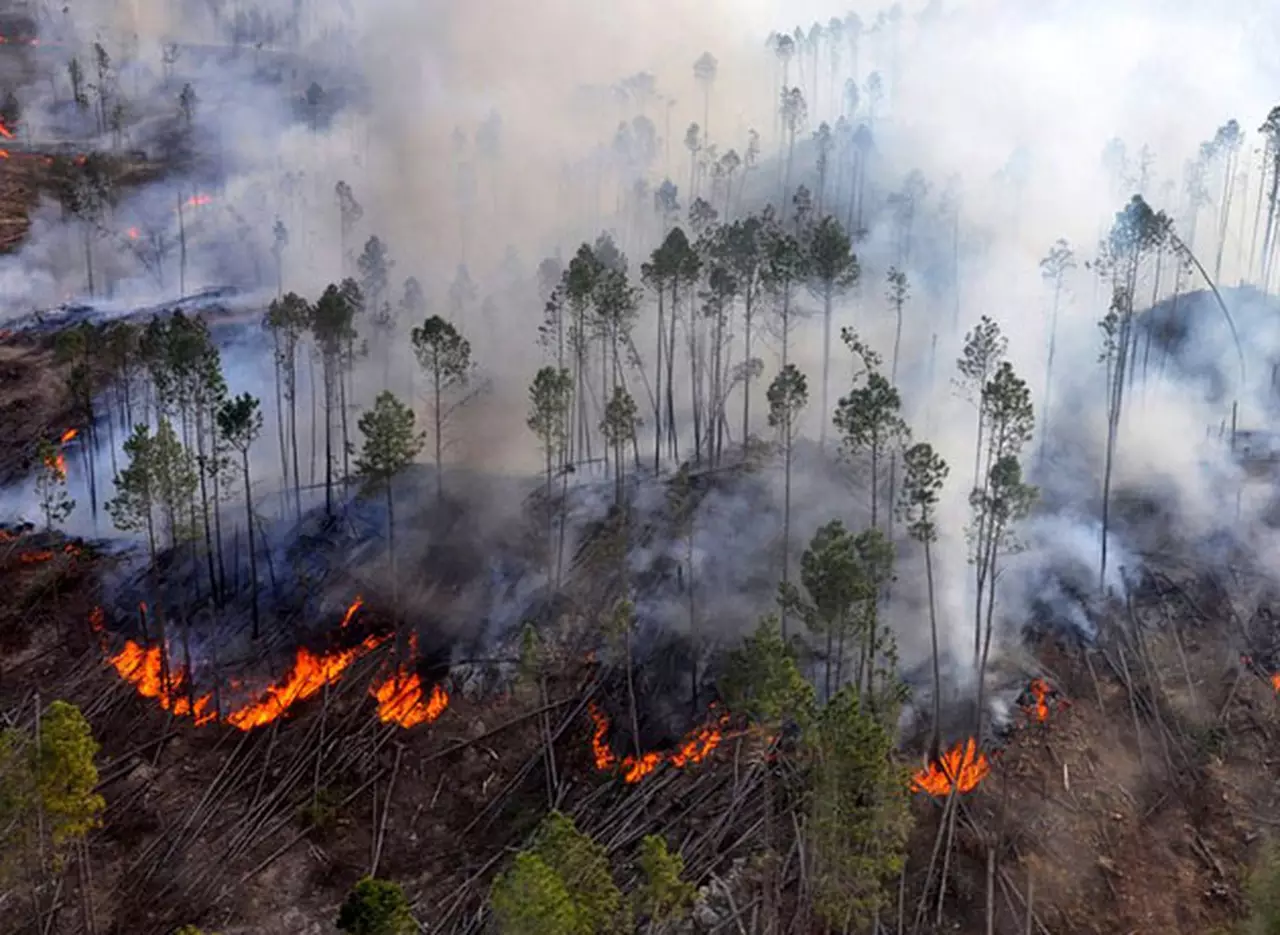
253	552
657	399
826	366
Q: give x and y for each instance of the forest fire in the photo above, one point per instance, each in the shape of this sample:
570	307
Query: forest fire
400	697
964	765
695	748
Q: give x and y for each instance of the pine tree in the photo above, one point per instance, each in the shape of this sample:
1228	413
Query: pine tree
788	395
390	445
762	680
133	507
663	896
924	475
445	356
550	402
833	270
618	428
332	324
240	424
859	816
376	907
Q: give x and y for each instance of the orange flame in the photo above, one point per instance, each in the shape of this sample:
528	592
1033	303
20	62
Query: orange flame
133	233
57	463
144	670
31	558
4	131
400	701
4	154
964	764
1275	682
196	201
310	673
351	611
1039	708
693	749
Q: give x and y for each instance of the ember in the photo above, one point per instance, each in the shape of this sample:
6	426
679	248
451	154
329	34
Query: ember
693	749
964	765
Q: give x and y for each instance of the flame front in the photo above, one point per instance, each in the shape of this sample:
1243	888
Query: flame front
964	765
144	670
310	673
695	748
142	667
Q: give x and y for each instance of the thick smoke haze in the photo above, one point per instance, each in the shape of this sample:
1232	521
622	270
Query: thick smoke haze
1005	106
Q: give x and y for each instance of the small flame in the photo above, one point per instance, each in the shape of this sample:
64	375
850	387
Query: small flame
4	131
1039	707
133	233
400	701
351	611
964	764
693	749
32	558
4	154
57	463
196	201
1275	682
